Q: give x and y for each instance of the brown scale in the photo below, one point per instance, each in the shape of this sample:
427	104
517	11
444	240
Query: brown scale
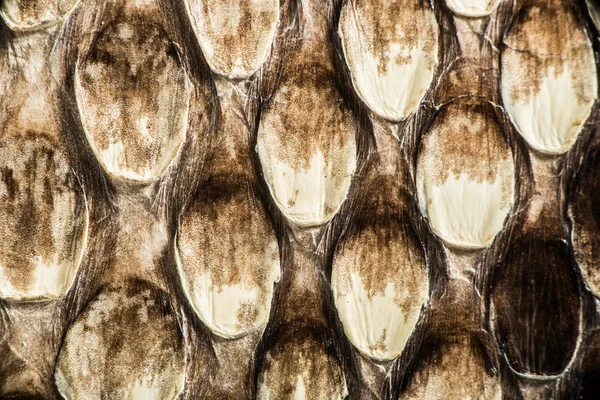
243	28
132	92
33	14
382	246
125	342
535	298
227	234
452	365
584	213
465	78
543	34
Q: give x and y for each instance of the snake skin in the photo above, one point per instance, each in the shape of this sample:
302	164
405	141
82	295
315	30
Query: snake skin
299	199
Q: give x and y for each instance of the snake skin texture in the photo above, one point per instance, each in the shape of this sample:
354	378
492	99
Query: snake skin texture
299	199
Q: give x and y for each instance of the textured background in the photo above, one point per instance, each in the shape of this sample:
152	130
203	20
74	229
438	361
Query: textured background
218	199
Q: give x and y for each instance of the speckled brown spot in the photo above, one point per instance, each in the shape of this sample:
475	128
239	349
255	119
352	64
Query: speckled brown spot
546	36
133	96
299	367
453	368
235	36
246	315
43	216
387	22
125	344
306	116
380	344
30	14
468	139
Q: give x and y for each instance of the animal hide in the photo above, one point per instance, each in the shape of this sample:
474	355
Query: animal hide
299	199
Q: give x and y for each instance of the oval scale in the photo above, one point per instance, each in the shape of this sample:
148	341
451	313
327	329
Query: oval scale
132	93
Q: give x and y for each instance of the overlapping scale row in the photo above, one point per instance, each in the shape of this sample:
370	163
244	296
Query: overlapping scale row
547	55
286	199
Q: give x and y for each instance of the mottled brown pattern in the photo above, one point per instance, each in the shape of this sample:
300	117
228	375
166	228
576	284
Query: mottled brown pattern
464	78
395	21
134	109
42	203
235	32
31	14
301	356
548	37
515	319
43	212
127	338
